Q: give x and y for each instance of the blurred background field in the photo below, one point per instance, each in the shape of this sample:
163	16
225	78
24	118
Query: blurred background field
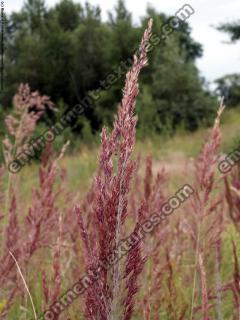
172	152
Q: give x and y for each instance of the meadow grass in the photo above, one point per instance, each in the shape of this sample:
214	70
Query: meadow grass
71	213
170	152
150	252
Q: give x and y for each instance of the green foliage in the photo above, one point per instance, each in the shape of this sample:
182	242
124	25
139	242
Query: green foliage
229	87
87	135
148	119
233	144
233	29
67	51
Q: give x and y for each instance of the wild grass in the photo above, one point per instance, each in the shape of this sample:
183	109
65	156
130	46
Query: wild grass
67	214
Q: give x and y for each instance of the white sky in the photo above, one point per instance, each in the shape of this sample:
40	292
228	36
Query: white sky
218	59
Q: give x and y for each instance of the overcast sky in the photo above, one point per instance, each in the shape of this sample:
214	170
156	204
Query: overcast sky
219	58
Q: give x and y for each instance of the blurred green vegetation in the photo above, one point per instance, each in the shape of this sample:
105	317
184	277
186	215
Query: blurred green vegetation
67	50
171	151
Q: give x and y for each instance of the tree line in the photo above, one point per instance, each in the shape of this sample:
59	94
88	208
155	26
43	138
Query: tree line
67	50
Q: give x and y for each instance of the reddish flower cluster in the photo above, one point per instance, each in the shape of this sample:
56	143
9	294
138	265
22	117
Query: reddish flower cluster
106	299
28	109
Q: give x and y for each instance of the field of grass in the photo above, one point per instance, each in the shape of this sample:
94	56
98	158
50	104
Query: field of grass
145	230
173	257
173	153
155	225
